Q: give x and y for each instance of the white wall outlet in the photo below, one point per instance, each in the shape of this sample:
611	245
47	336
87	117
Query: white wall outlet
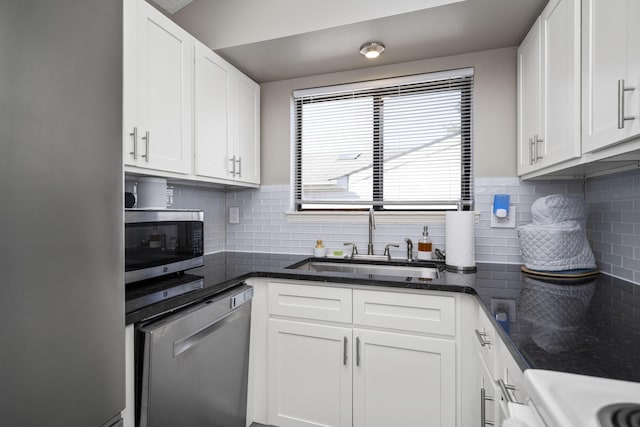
234	215
506	306
508	222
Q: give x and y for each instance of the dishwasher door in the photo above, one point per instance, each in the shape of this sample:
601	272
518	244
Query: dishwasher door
195	364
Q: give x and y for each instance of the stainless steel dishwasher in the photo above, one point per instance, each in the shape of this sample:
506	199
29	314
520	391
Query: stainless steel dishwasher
195	364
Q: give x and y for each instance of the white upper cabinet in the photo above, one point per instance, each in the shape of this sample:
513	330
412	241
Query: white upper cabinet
529	99
187	113
611	72
212	113
245	110
549	88
158	100
227	120
560	28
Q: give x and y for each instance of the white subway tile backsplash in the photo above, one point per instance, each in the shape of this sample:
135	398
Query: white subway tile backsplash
280	236
613	225
614	222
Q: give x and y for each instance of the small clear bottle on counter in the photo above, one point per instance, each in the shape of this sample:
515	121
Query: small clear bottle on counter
425	246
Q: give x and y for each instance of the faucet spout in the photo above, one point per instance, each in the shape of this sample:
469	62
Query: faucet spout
372	226
409	249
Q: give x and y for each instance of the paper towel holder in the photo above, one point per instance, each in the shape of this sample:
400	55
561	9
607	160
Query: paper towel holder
462	270
460	241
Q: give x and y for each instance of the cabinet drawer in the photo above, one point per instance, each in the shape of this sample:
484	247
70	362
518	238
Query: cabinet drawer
409	312
310	302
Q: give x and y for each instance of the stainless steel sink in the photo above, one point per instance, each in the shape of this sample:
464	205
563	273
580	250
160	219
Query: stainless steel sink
372	269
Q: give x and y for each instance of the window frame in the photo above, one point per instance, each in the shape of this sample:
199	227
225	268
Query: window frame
345	91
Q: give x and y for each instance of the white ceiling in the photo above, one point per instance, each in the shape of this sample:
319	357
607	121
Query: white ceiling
430	29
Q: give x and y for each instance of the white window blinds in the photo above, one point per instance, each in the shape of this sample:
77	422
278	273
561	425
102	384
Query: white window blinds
394	144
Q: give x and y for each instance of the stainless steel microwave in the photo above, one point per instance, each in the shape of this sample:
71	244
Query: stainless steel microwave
162	241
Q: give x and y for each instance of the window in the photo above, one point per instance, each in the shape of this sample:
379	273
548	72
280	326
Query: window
394	144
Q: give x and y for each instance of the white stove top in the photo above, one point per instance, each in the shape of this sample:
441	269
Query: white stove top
568	400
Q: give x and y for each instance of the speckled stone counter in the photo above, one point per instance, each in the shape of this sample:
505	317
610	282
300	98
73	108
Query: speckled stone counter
588	326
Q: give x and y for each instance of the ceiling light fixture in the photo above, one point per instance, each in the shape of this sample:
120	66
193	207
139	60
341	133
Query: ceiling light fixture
372	50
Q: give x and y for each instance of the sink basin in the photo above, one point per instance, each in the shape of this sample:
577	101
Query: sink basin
372	269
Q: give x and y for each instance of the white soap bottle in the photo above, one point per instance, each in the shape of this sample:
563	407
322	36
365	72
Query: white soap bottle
425	246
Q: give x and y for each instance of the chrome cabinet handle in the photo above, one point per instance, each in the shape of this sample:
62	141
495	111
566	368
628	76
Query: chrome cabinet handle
345	342
482	337
146	143
233	166
134	134
531	153
508	391
483	411
621	90
357	351
536	142
239	161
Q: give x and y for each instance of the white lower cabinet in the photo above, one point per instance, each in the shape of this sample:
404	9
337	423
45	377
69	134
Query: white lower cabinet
310	374
403	380
339	366
326	354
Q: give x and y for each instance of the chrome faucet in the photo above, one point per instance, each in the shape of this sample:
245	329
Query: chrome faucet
372	226
409	249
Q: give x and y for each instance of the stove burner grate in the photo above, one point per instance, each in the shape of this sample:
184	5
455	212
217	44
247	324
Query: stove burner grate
620	415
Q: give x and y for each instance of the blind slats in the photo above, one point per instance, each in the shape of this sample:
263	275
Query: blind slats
405	146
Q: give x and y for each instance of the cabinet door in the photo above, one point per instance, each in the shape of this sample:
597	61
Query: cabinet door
403	380
246	127
165	92
560	31
130	123
310	374
211	114
529	99
609	56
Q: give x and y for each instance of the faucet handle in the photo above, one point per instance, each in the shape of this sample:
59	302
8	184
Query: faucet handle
386	249
354	249
439	255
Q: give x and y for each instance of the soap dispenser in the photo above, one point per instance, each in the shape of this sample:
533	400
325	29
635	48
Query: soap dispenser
319	251
425	245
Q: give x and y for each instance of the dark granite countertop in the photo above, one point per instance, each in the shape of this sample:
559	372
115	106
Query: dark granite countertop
588	326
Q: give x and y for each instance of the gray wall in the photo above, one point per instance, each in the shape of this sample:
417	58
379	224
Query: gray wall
494	110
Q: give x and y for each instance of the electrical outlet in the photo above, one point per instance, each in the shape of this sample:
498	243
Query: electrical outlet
508	222
234	215
506	306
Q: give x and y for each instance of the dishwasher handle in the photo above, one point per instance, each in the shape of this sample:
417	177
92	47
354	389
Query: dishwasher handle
194	339
235	302
241	298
